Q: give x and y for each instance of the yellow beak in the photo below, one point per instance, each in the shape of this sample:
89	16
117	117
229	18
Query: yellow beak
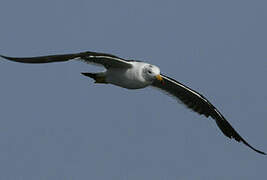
159	78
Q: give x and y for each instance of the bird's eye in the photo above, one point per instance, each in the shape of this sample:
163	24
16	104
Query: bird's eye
149	72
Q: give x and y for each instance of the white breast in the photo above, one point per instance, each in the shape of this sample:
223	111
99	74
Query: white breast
130	78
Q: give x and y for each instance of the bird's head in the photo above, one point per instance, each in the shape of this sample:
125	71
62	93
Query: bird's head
152	73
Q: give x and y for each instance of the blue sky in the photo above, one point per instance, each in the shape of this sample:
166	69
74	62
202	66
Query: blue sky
57	124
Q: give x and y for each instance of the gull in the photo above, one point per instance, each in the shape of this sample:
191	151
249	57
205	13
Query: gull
133	74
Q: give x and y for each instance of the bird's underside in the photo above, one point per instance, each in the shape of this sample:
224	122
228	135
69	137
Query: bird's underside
189	97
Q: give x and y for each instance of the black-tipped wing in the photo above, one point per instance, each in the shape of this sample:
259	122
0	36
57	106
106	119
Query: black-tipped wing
106	60
201	105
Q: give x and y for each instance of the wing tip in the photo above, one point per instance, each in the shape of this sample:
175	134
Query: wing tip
240	139
2	56
261	152
7	57
256	150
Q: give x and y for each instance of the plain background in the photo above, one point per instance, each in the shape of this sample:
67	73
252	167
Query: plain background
57	124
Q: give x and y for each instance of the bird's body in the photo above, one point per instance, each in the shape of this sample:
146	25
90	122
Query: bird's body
132	74
129	78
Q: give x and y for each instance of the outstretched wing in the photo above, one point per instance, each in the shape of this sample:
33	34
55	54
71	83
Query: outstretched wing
107	60
201	105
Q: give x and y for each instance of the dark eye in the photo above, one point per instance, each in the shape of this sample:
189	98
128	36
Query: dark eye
149	72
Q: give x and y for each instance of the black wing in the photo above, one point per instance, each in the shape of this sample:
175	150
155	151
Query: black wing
106	60
201	105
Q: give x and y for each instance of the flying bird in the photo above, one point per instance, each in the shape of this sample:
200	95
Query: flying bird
133	74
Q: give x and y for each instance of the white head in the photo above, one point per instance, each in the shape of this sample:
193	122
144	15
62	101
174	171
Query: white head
151	73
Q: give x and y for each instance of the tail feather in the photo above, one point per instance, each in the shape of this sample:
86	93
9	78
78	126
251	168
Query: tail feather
91	75
98	77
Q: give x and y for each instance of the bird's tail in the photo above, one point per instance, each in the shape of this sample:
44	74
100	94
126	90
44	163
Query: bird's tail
98	77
